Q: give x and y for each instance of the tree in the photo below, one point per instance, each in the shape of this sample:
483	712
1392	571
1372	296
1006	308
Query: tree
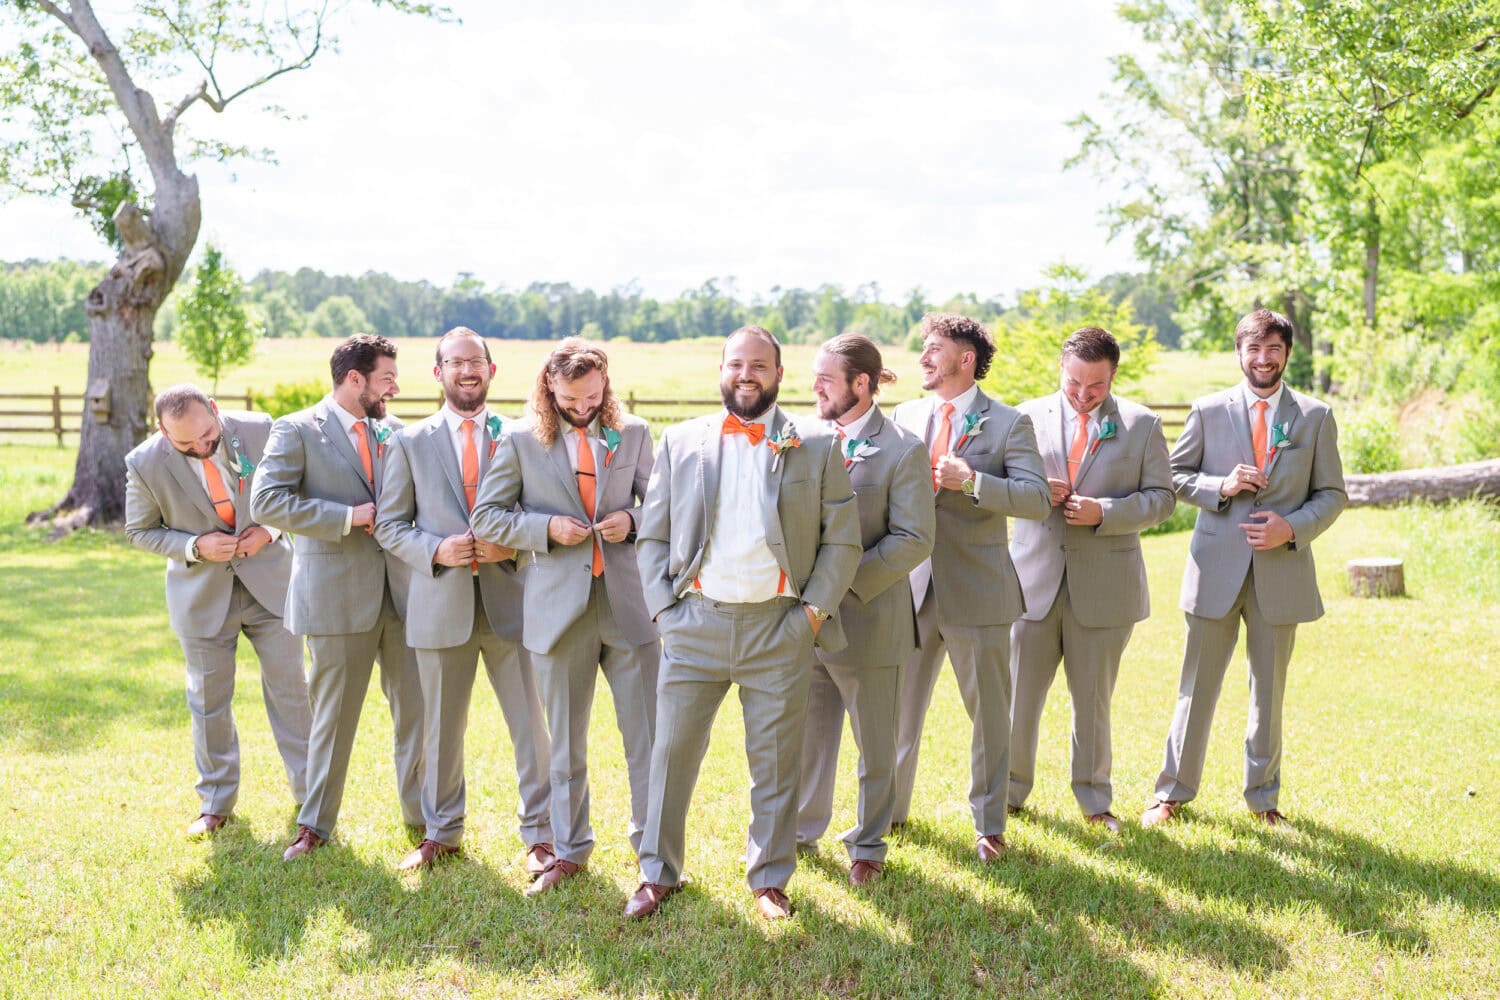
212	327
337	316
70	94
279	317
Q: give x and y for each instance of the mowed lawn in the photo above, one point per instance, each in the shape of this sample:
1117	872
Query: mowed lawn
1389	886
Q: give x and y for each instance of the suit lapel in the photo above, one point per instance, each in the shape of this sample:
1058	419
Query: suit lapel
233	449
1051	440
1239	423
1108	411
559	455
775	539
333	429
708	472
600	469
978	407
1286	412
437	439
188	480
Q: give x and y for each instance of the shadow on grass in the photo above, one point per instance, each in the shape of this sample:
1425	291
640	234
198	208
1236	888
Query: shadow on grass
1361	887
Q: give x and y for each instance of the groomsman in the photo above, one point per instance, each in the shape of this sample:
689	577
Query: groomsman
566	487
892	481
748	540
1262	463
185	499
1081	569
985	467
465	601
319	478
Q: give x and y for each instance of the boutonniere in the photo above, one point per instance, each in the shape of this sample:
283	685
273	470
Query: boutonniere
973	422
493	424
1107	432
246	469
611	443
1280	435
382	435
856	450
779	443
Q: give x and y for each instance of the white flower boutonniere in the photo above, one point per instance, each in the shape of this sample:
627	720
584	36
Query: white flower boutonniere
781	442
856	450
973	424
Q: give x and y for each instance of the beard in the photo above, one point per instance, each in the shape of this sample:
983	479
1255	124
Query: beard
373	404
836	406
208	452
762	401
580	422
1258	381
463	400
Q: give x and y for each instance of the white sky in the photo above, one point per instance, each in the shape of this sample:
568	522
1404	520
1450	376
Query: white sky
603	142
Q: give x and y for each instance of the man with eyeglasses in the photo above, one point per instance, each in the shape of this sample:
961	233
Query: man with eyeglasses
465	601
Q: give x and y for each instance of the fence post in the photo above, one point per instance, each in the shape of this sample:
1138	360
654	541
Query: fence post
57	426
249	401
630	401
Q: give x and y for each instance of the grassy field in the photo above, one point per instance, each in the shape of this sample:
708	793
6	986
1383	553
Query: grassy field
1390	886
683	370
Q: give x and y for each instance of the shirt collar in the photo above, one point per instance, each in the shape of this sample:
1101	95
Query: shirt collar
854	429
961	402
346	419
455	421
1273	401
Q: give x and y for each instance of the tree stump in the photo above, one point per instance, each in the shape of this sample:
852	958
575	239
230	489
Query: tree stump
1376	577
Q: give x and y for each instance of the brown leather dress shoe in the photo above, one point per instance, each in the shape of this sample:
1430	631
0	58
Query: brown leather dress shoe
205	824
1108	820
556	873
307	841
426	853
1162	812
647	898
538	857
991	847
1273	818
864	871
772	903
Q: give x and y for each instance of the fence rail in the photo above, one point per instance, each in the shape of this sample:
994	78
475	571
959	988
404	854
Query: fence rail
59	414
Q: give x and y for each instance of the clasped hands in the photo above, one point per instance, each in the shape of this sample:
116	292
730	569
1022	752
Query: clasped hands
220	546
570	531
1077	509
1270	530
465	549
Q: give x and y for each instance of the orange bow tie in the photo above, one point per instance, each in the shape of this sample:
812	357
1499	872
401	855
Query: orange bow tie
733	425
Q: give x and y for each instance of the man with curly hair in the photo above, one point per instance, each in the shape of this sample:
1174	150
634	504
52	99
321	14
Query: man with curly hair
565	488
985	467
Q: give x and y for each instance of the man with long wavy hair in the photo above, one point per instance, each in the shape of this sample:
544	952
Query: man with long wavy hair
566	486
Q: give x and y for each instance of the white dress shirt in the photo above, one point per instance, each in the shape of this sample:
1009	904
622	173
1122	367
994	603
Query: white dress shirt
738	566
455	422
348	421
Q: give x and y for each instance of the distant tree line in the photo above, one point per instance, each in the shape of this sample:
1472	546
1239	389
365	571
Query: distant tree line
43	302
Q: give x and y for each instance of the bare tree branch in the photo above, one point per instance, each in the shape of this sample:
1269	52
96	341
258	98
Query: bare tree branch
64	16
170	122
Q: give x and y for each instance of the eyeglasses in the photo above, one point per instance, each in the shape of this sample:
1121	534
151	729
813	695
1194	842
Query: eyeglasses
459	364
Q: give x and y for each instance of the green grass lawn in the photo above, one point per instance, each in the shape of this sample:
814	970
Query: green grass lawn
1390	886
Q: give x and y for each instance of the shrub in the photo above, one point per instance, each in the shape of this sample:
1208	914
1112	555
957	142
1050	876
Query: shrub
1184	515
289	397
1368	441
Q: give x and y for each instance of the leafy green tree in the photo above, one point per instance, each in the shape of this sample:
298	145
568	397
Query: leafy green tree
338	316
212	326
80	113
279	316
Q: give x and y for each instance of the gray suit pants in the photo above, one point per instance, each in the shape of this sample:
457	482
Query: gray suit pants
210	697
1091	662
707	646
1210	646
565	676
981	664
337	683
869	693
447	677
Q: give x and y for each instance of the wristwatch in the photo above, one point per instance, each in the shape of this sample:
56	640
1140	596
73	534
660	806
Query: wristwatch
193	551
818	613
967	486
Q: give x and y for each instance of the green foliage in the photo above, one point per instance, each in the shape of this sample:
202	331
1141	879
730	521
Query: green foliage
96	199
212	325
279	317
44	302
1182	518
289	397
1028	340
338	317
1369	440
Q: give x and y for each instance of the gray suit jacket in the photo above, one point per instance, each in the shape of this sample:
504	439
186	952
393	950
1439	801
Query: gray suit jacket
1131	477
972	574
306	483
526	485
1305	486
897	524
422	502
814	533
166	506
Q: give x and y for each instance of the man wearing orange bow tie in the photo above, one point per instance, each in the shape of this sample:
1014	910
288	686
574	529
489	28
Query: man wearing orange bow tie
748	540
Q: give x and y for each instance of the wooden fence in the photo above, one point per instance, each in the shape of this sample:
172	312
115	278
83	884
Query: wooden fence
58	414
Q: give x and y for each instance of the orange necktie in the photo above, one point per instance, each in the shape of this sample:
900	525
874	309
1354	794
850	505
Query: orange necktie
1080	442
940	441
1258	434
470	471
848	462
223	506
586	491
364	451
733	425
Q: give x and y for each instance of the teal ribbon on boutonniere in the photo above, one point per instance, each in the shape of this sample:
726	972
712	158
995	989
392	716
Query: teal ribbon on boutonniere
779	443
1107	432
611	443
856	450
493	425
973	423
1280	435
382	435
246	468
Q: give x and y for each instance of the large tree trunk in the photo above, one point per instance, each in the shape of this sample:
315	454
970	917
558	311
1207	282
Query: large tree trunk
1372	261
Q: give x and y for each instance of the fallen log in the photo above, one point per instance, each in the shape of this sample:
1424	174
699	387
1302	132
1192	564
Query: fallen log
1437	485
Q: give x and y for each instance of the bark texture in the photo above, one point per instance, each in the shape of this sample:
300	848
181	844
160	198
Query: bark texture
1440	485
